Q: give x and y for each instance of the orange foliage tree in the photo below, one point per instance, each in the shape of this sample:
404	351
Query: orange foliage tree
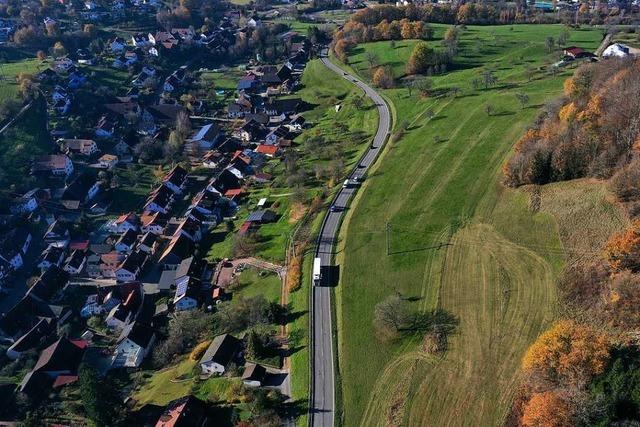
547	409
568	351
623	249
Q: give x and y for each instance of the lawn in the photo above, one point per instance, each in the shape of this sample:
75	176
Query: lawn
253	282
26	139
163	386
458	240
10	70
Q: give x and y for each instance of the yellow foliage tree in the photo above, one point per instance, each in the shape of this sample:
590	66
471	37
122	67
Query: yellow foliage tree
198	351
568	351
568	112
547	409
622	251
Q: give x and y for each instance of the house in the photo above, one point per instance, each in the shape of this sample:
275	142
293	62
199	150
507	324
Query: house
123	223
184	33
129	270
148	243
175	179
84	57
62	106
166	113
27	312
297	123
81	147
251	131
163	37
109	263
82	189
51	256
207	136
153	223
184	412
105	128
26	203
189	267
33	339
140	40
277	135
160	200
253	375
179	248
14	246
281	106
616	50
190	228
63	357
212	159
267	150
75	262
53	165
577	52
133	345
108	161
219	354
262	216
59	94
127	241
76	80
49	284
187	293
236	110
248	83
57	234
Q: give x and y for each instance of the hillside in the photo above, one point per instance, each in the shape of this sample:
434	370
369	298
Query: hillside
458	240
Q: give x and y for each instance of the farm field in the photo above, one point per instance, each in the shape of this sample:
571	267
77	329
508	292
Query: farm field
458	240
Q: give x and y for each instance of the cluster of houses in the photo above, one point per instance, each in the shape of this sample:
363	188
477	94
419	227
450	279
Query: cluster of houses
126	262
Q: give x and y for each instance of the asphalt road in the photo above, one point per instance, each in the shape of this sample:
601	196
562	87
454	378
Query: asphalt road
322	411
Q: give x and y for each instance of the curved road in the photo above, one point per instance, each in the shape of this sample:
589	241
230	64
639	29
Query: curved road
322	411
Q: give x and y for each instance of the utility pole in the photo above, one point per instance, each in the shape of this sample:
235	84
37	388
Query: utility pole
388	230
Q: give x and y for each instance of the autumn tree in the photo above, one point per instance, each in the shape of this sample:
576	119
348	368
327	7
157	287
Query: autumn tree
568	352
422	59
547	409
622	251
383	77
58	50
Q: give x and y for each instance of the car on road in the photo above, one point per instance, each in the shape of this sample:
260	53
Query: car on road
361	165
359	179
335	208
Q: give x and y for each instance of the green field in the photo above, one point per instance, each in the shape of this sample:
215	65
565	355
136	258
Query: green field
459	241
10	70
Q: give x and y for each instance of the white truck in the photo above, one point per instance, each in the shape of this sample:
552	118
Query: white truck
317	275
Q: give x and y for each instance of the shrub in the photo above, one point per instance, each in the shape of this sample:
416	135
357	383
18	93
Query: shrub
198	351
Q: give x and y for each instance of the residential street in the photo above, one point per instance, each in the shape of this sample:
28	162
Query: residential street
322	411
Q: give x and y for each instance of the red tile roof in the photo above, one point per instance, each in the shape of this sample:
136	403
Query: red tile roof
269	150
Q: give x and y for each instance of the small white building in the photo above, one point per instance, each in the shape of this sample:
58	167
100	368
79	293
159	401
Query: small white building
134	344
222	350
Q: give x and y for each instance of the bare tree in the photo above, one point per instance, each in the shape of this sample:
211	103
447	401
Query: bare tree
522	98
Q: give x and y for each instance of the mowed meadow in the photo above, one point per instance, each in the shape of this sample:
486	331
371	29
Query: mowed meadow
457	239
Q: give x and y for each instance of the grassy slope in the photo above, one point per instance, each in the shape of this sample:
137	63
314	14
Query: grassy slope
497	272
10	70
